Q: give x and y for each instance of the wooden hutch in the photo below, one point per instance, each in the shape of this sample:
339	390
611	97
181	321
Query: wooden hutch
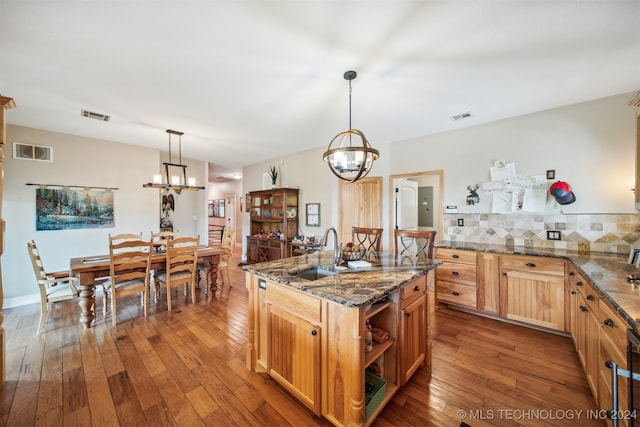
274	222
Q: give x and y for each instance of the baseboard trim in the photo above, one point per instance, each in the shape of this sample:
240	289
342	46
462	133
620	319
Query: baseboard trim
31	299
20	301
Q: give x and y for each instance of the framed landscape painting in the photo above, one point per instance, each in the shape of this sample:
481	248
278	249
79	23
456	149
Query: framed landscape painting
65	209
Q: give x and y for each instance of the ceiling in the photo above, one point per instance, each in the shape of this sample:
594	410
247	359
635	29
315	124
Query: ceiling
250	80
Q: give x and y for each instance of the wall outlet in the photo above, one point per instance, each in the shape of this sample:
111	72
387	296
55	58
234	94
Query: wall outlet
554	235
460	222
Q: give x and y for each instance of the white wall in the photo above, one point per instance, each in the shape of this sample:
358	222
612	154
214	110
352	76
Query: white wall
308	172
86	162
590	145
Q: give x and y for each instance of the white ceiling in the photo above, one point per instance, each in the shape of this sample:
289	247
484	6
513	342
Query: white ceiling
249	80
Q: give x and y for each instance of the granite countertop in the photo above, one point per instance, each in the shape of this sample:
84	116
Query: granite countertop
350	287
606	272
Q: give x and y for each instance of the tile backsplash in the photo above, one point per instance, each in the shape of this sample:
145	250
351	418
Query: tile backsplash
612	233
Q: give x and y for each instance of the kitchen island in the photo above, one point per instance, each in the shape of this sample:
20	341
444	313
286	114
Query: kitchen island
308	322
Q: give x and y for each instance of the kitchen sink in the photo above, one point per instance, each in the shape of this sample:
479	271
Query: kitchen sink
315	274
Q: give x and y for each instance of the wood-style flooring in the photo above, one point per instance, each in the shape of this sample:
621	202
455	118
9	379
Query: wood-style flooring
187	368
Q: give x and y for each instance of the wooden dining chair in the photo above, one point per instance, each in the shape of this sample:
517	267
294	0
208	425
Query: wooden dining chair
369	238
54	286
228	245
129	267
159	241
181	266
414	243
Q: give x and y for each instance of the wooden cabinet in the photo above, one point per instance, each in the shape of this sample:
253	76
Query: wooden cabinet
315	347
263	249
456	277
586	330
532	290
413	329
273	223
612	348
294	337
489	282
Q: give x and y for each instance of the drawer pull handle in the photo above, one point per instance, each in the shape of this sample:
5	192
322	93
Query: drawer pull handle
579	284
572	273
416	288
407	314
608	364
573	292
608	322
590	297
456	293
455	273
455	256
314	333
583	308
531	265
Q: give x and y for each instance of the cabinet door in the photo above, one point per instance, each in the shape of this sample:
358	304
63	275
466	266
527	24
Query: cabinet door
586	339
413	346
489	282
537	299
610	352
252	253
294	355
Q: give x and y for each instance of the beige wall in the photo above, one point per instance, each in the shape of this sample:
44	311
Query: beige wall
590	145
86	162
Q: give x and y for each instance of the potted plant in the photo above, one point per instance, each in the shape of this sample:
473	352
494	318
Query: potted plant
273	173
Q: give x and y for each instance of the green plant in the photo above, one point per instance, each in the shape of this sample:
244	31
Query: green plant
273	173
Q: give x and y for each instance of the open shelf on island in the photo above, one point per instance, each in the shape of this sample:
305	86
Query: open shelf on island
377	308
377	350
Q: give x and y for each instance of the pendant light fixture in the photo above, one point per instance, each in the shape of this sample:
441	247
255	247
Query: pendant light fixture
349	155
176	183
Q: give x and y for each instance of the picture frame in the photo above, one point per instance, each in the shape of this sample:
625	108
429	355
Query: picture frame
313	214
216	208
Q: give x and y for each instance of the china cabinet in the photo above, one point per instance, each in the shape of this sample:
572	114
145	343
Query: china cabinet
274	217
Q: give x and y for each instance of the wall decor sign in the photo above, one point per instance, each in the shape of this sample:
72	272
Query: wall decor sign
67	209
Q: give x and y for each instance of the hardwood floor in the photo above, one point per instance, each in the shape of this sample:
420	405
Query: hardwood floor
187	368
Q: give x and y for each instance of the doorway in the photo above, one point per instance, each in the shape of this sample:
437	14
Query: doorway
230	212
416	201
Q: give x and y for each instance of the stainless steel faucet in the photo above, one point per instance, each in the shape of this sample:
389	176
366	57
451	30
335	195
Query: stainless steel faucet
336	247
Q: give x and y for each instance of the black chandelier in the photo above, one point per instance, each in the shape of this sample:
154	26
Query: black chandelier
176	183
349	160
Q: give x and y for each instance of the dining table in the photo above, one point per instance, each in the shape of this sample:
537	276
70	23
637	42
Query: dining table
92	268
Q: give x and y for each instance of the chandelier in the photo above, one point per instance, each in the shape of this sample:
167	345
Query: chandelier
348	159
178	182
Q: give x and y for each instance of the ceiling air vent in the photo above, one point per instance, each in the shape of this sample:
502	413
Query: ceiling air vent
96	116
40	153
461	116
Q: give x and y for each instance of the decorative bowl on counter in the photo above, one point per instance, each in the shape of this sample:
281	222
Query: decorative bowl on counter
352	255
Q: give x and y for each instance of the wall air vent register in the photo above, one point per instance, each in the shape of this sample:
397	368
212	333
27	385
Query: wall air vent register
39	153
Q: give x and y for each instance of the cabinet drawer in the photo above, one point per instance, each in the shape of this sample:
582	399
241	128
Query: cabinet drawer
454	272
456	255
612	324
413	291
591	298
295	302
456	293
542	265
